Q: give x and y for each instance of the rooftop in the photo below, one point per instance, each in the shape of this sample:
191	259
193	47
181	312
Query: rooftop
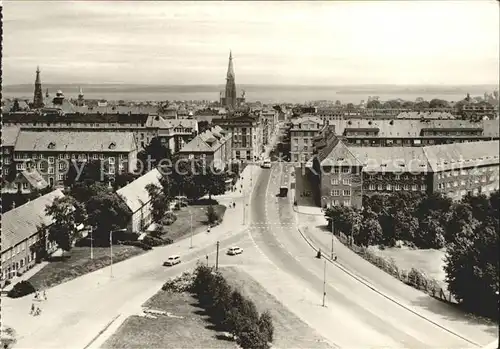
9	135
75	141
22	222
135	194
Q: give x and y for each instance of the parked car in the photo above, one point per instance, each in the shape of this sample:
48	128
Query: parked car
266	163
172	260
233	251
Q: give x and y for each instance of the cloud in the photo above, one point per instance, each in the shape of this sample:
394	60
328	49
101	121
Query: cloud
294	42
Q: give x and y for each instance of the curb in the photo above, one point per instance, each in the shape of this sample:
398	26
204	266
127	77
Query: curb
367	284
310	214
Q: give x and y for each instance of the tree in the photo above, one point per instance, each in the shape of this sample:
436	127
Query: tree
266	326
421	105
152	155
214	183
39	248
472	271
106	212
91	172
370	232
407	105
158	202
203	125
212	216
122	179
67	214
350	106
374	104
438	103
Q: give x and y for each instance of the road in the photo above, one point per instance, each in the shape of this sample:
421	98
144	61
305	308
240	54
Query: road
374	320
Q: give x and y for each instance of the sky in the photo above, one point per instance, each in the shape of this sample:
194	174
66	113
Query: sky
306	43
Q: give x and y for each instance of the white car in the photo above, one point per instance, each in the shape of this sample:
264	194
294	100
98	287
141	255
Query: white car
172	260
266	163
233	251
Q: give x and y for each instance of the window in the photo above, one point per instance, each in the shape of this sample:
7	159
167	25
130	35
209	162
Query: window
423	187
95	156
347	202
61	156
371	187
346	181
19	167
397	177
67	156
73	156
335	202
335	169
414	187
25	156
23	246
448	185
111	160
60	176
455	183
35	156
379	186
335	192
51	170
389	187
462	182
25	185
101	156
51	159
455	173
335	181
62	166
397	187
406	187
111	169
346	170
347	192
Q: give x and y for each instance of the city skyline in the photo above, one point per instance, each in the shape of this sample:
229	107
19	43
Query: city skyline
317	43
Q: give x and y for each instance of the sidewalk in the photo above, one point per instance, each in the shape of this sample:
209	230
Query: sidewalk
35	269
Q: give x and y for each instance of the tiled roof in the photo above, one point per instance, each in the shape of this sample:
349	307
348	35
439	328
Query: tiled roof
9	135
391	159
340	154
457	155
302	119
197	144
75	141
22	222
35	179
135	194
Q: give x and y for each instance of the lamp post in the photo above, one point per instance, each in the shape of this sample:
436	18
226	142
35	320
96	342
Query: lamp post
324	282
111	251
191	240
91	243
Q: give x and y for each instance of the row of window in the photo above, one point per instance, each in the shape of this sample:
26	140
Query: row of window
337	192
345	181
463	182
14	251
62	167
396	187
343	202
67	156
464	172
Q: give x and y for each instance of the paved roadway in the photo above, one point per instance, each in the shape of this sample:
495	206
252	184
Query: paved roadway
370	319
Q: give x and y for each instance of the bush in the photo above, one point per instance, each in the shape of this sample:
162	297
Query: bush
21	289
266	326
137	244
251	338
182	283
154	241
212	216
416	279
169	218
7	282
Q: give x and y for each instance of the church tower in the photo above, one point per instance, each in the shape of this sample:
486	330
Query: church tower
38	96
230	95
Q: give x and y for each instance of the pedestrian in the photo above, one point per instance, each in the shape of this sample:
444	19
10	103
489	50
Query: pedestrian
234	204
36	295
44	295
32	309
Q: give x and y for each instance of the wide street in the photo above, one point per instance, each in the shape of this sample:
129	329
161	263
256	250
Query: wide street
78	312
365	318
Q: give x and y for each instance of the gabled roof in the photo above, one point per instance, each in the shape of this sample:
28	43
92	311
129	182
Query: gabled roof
35	179
9	135
456	155
197	144
339	154
75	141
391	159
22	222
135	194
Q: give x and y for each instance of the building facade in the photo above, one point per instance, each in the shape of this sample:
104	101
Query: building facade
213	146
137	199
20	231
246	131
52	153
344	174
302	132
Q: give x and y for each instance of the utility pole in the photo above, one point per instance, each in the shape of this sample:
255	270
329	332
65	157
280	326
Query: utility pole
324	282
217	257
207	259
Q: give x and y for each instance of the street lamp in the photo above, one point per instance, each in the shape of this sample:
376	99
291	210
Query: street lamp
191	240
111	251
91	243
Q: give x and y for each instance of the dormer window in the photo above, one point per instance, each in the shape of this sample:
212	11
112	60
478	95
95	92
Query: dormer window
112	145
52	145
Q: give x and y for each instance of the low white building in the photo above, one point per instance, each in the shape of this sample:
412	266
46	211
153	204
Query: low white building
136	197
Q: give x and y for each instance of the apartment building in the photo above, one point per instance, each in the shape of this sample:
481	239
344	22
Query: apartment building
302	133
246	130
20	231
213	146
344	174
51	153
174	133
9	137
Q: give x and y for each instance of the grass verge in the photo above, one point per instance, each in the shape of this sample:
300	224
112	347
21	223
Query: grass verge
181	228
77	262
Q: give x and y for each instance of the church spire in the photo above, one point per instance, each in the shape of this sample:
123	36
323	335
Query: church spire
230	69
38	95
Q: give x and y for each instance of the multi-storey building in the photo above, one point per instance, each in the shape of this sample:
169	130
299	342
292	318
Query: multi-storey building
270	121
174	133
344	174
51	153
246	131
213	146
9	136
302	132
407	132
20	231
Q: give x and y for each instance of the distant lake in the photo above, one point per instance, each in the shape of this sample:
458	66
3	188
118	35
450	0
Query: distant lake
263	93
